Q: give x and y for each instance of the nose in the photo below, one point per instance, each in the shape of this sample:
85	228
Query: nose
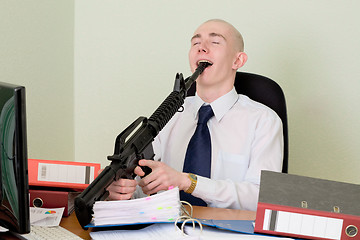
203	48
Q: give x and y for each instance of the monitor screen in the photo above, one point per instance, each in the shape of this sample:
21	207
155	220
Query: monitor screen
14	188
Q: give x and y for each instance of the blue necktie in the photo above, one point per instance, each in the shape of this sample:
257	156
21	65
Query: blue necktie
198	154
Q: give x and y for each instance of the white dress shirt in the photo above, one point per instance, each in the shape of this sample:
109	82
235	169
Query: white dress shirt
246	137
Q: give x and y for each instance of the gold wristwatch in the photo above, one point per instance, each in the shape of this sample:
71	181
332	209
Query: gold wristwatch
193	180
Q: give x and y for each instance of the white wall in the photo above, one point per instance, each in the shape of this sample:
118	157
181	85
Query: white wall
127	54
36	51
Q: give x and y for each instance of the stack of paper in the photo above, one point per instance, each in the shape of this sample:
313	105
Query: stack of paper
161	207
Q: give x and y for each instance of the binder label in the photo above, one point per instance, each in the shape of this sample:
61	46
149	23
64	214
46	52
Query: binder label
65	173
303	224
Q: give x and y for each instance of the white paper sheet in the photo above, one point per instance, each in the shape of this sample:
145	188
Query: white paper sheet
46	216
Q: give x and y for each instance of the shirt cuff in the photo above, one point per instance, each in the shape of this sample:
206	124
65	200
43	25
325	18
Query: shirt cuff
204	189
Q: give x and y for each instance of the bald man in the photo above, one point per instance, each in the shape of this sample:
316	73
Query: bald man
246	136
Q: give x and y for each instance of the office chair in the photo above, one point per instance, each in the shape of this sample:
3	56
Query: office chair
267	92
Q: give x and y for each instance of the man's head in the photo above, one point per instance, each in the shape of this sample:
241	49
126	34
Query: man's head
219	43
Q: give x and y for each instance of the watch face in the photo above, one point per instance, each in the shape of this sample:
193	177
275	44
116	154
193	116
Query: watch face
193	176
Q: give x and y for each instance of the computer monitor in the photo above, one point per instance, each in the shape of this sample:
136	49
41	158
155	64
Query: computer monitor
14	188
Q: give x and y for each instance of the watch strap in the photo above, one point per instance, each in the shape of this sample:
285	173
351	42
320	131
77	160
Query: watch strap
193	179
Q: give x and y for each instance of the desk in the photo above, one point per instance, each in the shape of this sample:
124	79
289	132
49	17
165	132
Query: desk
71	223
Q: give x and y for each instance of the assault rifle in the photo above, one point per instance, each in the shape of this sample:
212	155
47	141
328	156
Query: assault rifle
129	150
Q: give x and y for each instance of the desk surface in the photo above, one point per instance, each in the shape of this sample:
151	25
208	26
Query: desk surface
71	223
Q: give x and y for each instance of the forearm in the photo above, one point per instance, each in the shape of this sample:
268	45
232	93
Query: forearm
227	193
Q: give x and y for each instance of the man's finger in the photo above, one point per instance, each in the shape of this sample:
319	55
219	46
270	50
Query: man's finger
117	196
138	171
148	163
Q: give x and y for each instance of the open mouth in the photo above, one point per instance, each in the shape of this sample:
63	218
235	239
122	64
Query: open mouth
204	61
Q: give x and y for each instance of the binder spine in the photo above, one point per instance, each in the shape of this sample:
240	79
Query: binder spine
305	223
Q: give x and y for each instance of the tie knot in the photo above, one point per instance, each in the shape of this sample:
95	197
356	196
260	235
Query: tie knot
205	113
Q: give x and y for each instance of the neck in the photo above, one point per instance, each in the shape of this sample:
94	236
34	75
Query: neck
210	93
210	90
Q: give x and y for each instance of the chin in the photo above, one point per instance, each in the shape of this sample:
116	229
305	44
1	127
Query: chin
203	80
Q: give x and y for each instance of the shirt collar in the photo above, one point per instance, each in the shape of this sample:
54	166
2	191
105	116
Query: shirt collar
220	106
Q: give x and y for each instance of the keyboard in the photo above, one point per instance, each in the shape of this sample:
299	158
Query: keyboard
47	233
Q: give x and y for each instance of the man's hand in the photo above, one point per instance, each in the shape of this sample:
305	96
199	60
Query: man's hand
122	189
161	177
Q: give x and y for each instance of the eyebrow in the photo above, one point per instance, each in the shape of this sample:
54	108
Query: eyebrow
210	35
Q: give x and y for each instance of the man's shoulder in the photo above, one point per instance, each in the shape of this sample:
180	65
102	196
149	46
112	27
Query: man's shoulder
189	99
247	104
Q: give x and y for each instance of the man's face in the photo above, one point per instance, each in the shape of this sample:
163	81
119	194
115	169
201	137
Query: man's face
213	42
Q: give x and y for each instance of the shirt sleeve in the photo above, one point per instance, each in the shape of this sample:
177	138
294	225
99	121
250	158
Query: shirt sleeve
266	154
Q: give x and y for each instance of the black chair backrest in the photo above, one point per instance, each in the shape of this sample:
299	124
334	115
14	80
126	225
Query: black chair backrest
267	92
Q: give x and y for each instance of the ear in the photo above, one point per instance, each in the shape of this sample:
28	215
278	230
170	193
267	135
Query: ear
240	60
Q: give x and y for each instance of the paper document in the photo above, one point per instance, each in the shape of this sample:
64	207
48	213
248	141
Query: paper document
159	231
49	217
166	231
161	207
211	233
